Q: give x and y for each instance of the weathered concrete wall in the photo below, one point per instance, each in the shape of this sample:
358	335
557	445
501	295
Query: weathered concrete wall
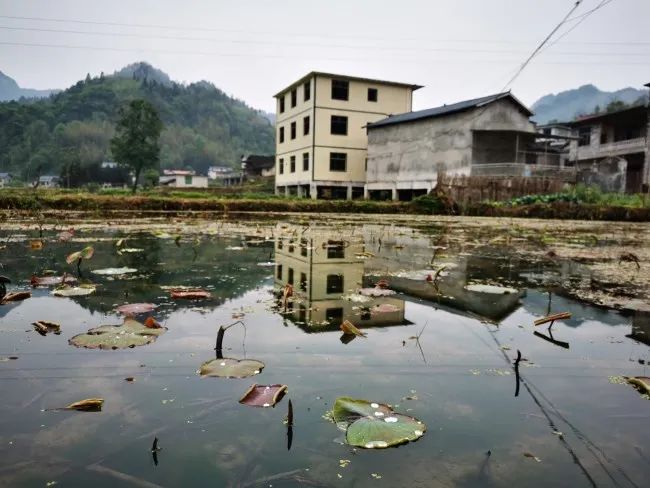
608	174
411	154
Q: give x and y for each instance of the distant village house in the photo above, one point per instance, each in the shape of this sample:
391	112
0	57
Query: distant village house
5	179
183	179
490	136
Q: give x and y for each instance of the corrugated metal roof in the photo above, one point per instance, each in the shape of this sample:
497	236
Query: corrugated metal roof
446	110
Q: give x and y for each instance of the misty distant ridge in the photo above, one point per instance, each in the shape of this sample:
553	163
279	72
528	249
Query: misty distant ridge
567	105
10	90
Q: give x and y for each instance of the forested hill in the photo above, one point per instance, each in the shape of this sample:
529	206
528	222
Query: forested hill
71	130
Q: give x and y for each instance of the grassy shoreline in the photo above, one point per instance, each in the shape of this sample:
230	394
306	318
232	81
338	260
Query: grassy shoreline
67	200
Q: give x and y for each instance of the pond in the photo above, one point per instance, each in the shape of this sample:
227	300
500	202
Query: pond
444	311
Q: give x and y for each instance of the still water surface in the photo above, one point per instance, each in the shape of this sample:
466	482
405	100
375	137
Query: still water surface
572	423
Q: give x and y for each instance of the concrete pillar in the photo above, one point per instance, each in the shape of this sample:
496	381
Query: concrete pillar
286	191
300	191
313	192
393	193
366	194
349	192
277	190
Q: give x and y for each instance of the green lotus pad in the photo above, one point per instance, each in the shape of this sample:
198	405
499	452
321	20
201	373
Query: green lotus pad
74	291
231	368
128	335
374	425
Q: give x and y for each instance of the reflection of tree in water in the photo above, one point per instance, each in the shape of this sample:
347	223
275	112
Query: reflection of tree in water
203	263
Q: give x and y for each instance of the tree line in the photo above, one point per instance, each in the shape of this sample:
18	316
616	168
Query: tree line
69	134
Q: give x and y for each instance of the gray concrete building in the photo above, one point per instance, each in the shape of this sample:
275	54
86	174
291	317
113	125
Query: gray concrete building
611	150
489	136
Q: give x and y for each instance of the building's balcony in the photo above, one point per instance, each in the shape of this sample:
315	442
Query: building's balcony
519	169
619	148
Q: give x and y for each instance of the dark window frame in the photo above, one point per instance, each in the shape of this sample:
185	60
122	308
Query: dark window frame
303	282
306	125
281	135
340	90
294	97
306	88
281	166
373	94
278	271
292	164
337	158
294	130
335	250
339	125
281	104
290	276
334	284
305	161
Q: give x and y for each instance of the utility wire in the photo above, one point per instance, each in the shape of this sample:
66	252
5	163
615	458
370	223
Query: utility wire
280	43
305	57
276	33
585	16
541	45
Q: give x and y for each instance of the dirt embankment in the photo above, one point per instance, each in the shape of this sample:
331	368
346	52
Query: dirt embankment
52	200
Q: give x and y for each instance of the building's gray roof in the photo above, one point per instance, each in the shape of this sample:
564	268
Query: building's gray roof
5	175
447	110
311	74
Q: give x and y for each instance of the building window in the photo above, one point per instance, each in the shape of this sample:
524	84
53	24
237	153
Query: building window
280	244
281	166
281	135
282	104
292	164
338	161
290	276
188	180
279	272
339	125
305	161
294	97
291	249
334	315
584	136
307	90
372	94
335	250
303	282
340	89
335	283
305	126
293	130
303	247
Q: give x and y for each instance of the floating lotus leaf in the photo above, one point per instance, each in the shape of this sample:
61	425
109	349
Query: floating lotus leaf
195	294
16	296
385	308
387	431
263	395
495	290
135	308
641	383
114	271
52	280
130	334
374	425
376	292
231	368
346	410
85	253
74	291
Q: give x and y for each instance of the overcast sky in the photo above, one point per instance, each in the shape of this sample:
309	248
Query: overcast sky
251	49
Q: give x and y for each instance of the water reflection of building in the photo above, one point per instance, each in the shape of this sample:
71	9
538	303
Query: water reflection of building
325	273
641	326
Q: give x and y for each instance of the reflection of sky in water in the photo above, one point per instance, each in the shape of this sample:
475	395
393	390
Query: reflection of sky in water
464	390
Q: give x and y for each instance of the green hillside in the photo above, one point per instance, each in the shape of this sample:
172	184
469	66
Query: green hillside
69	132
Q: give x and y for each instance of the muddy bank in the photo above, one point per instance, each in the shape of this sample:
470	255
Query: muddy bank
87	202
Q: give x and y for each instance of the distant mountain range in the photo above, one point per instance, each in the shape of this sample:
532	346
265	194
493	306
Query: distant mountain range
10	90
567	105
69	132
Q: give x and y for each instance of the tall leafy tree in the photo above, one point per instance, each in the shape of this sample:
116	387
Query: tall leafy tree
135	144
